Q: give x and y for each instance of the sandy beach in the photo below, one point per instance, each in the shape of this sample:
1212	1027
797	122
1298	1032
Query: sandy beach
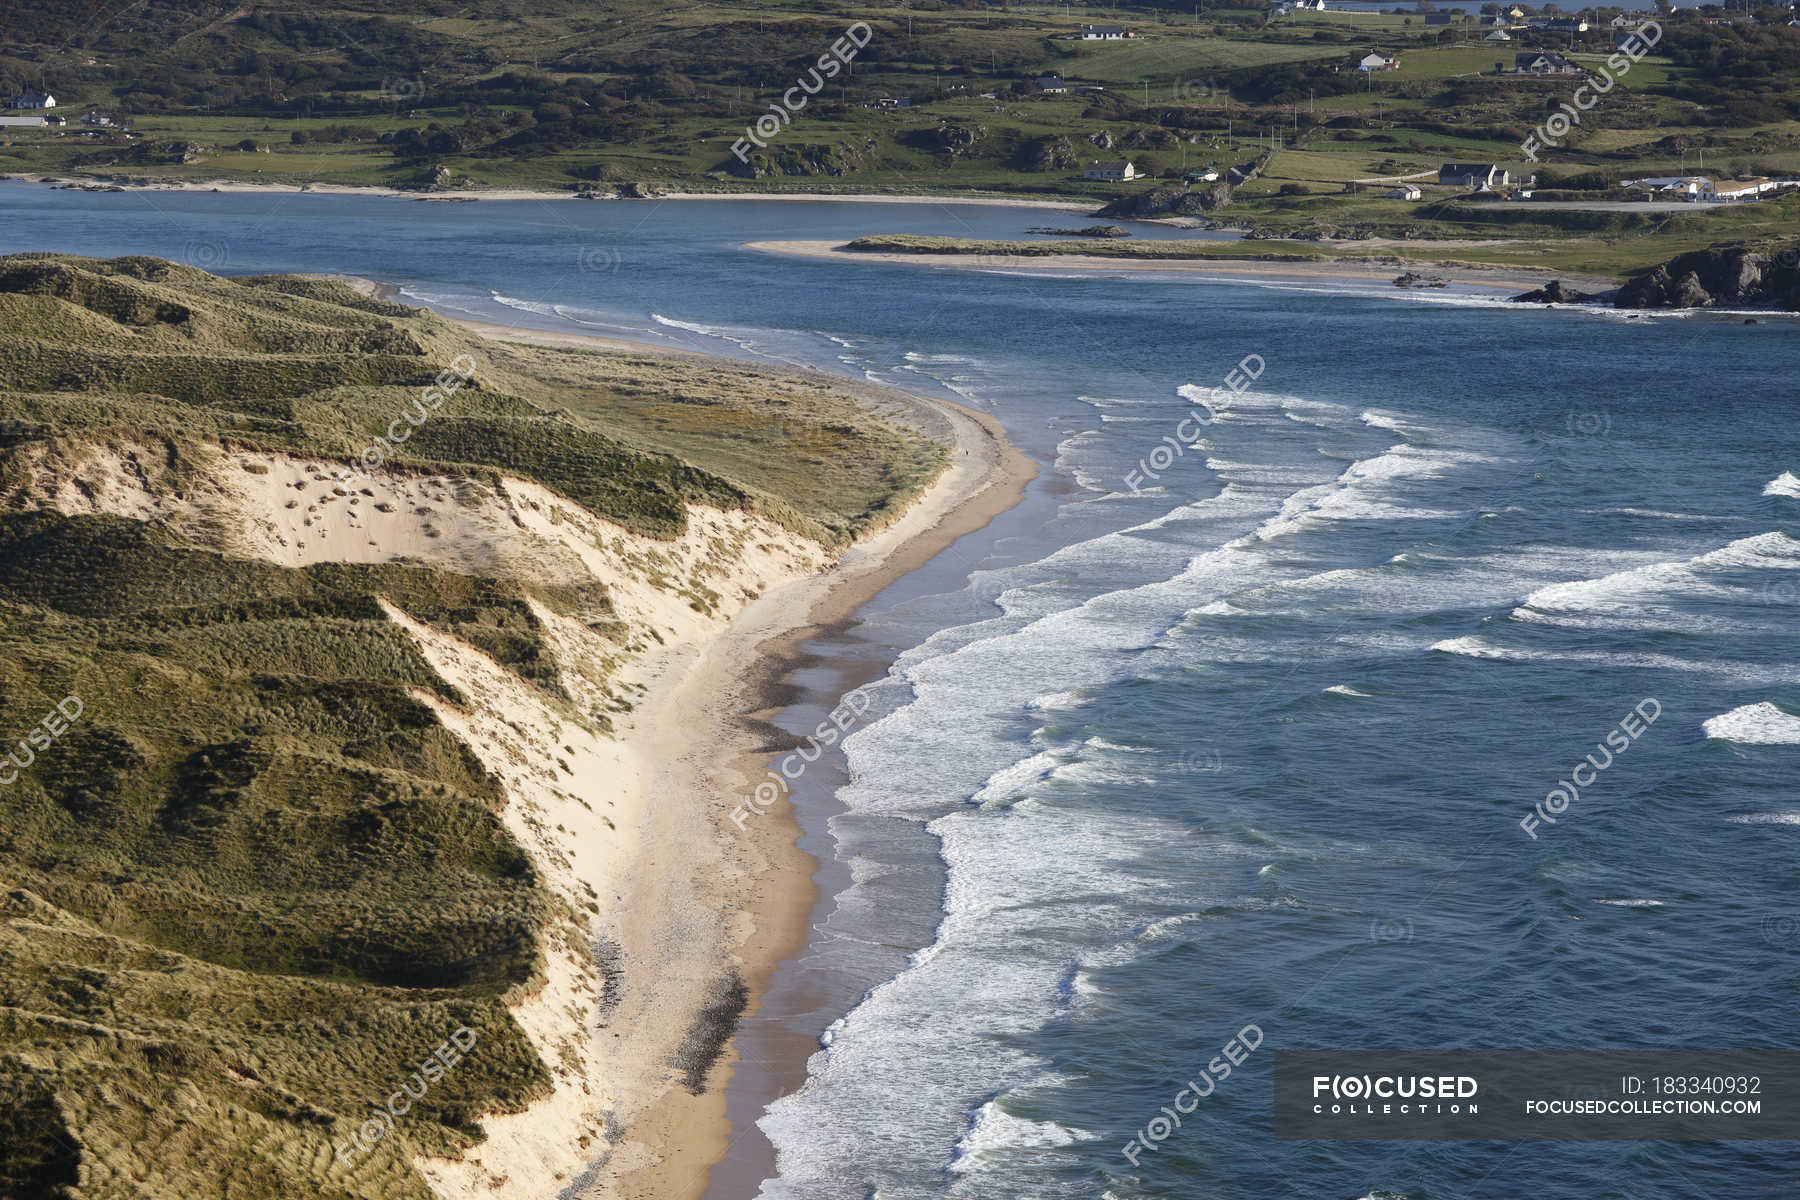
1060	204
1499	279
697	900
241	186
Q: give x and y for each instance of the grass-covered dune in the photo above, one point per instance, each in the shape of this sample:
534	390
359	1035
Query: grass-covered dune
254	882
1598	258
908	243
308	365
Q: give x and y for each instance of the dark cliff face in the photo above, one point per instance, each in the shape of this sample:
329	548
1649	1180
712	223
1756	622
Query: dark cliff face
1171	200
1728	278
1735	278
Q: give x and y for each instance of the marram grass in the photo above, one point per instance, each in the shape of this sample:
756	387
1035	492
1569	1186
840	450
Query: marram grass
257	882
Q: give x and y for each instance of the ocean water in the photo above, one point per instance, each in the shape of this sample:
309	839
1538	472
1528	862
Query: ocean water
1249	742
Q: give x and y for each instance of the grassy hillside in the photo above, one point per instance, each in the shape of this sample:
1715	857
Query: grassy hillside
255	882
624	97
557	94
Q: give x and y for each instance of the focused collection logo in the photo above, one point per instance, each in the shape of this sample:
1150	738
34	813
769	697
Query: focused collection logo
1394	1095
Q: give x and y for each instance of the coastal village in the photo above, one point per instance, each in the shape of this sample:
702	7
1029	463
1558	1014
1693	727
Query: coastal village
1307	120
1105	119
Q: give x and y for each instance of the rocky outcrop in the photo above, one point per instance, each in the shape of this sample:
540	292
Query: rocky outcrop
1555	293
800	158
1169	200
949	138
1413	279
1049	154
1729	278
1092	231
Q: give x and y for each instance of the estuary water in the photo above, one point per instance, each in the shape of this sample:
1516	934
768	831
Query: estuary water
1243	734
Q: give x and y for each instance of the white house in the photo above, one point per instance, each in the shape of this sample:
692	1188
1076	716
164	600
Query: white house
1741	189
1051	85
1406	191
1681	187
1538	62
1499	35
34	100
1103	33
1480	177
1375	61
1111	172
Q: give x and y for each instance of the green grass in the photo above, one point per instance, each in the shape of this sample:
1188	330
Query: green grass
1101	247
257	881
1600	245
1450	61
1178	56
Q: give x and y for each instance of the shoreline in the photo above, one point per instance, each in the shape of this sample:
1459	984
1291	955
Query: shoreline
1506	279
704	899
1051	202
467	195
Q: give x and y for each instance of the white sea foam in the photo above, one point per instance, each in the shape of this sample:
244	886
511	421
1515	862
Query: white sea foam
996	1131
1740	673
1386	420
1359	493
537	307
1100	774
1755	725
956	373
1344	689
751	341
1020	776
944	1036
1100	743
1221	399
1784	484
1774	818
1649	596
1630	903
1078	456
688	326
1652	513
1057	702
939	1040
